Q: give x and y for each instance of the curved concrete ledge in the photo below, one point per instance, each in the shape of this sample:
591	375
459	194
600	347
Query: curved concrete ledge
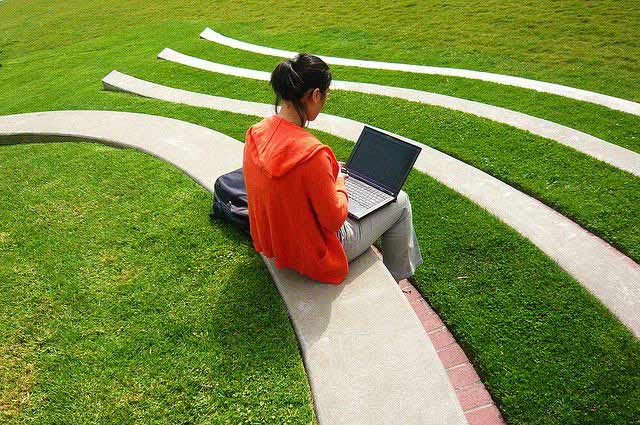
610	153
607	273
367	356
541	86
201	153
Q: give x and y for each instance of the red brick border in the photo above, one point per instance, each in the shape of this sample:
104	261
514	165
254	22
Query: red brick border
474	398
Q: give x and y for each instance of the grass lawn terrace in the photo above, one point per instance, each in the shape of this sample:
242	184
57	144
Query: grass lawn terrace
121	302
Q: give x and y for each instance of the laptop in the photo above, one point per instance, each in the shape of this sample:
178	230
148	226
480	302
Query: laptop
378	167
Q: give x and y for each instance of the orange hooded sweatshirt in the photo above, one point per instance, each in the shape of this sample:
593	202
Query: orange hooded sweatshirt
296	202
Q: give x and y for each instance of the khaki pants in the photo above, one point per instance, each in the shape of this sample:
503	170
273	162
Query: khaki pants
401	253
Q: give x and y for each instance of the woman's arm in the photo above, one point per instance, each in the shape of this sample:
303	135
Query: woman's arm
326	192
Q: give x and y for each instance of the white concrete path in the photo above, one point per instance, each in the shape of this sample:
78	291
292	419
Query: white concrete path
610	153
607	273
541	86
367	356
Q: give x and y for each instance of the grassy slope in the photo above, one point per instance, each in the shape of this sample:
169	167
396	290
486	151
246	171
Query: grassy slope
524	321
512	315
521	318
597	196
120	302
585	45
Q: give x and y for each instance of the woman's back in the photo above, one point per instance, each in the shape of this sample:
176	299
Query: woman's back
297	200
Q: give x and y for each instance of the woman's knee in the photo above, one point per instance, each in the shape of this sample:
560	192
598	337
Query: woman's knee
403	201
402	197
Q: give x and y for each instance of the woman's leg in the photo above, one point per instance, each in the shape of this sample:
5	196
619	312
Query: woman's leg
394	223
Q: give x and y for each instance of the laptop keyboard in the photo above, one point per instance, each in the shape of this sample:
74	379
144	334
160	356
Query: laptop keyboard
362	193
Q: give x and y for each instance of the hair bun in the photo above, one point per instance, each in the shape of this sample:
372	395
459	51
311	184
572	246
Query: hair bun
292	78
296	80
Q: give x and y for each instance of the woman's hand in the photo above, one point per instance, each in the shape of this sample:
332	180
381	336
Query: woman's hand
340	173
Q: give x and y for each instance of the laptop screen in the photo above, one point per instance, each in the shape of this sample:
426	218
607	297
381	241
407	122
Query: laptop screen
383	159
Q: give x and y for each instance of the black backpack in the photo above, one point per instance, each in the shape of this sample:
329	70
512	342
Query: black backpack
230	200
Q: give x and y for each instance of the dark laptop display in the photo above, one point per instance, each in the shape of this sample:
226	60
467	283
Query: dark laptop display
381	161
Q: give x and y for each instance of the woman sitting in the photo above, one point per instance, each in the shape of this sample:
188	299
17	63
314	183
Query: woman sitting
297	199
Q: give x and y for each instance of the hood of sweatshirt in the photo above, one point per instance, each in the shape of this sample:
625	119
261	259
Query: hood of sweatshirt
278	145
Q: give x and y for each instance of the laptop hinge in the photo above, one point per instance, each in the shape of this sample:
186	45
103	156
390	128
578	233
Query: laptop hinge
370	182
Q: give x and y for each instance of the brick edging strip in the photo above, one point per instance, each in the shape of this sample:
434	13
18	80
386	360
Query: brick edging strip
476	402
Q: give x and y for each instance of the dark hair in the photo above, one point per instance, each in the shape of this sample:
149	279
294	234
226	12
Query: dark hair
292	78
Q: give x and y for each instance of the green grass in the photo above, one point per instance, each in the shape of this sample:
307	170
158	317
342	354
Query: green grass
120	302
599	197
584	45
132	233
548	351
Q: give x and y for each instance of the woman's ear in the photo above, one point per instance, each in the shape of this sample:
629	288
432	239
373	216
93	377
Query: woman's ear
316	95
